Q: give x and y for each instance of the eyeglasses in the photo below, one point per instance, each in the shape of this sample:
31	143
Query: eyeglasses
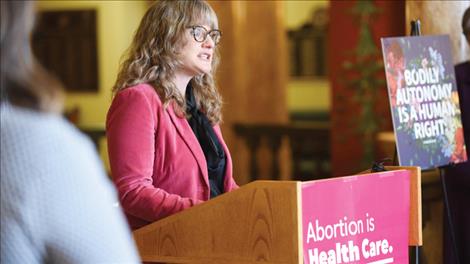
200	34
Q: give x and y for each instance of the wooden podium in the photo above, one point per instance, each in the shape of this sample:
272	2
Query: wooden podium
259	222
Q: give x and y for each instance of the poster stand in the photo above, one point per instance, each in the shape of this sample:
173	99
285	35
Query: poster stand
401	114
414	250
453	239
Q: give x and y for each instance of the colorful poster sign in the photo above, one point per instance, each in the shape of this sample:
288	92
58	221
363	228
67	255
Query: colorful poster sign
424	101
356	219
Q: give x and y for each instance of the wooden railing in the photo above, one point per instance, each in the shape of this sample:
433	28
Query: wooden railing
309	144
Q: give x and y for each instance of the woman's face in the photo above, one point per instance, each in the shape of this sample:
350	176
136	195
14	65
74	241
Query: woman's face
197	53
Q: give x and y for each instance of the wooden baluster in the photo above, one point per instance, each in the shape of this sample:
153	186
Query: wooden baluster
253	142
309	148
324	155
274	142
296	156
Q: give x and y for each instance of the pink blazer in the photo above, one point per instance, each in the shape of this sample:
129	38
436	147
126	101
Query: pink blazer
157	163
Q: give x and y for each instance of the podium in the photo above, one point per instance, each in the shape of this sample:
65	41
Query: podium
259	222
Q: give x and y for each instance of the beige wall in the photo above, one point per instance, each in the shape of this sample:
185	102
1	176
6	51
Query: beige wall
305	95
308	95
297	12
116	21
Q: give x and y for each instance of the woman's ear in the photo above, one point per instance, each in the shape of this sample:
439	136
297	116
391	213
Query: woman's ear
181	44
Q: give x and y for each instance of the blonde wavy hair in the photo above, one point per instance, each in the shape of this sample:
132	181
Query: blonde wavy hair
153	55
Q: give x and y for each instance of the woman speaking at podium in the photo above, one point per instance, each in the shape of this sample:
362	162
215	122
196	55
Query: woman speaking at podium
165	146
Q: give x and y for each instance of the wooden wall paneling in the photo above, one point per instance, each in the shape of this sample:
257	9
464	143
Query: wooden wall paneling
231	79
266	70
253	73
265	37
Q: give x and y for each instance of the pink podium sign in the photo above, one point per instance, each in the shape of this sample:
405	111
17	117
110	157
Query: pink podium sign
357	219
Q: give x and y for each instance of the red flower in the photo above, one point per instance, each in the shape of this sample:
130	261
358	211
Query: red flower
459	154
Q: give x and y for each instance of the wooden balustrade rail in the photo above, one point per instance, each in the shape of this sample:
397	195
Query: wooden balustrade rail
309	143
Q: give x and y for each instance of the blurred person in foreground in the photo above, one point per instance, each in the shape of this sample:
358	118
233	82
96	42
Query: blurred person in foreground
458	176
57	205
165	146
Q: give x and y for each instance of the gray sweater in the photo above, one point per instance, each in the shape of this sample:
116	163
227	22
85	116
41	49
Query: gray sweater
57	205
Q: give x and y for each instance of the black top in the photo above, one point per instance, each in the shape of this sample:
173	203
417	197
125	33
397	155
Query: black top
210	144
